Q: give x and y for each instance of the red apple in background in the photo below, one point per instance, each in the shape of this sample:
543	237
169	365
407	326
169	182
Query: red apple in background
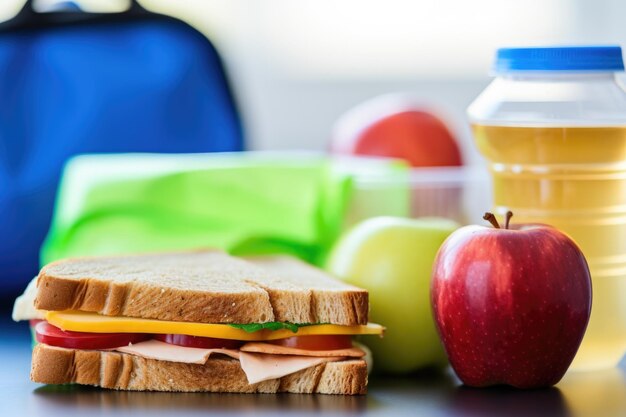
511	305
390	126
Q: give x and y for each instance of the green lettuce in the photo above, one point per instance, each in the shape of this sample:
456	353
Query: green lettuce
273	325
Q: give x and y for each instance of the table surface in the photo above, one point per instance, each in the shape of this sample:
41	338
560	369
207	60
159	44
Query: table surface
587	394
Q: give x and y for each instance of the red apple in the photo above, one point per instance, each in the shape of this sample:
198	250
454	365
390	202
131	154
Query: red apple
393	127
511	305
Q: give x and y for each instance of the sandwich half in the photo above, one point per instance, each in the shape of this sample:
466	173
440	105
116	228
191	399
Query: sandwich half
198	322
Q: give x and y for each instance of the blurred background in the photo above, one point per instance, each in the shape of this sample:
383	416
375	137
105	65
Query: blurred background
296	67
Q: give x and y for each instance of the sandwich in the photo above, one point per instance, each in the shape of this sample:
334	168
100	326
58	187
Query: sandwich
200	321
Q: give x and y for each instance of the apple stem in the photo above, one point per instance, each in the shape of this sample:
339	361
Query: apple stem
509	214
492	219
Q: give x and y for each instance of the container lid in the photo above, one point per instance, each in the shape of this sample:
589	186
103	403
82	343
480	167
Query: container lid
568	58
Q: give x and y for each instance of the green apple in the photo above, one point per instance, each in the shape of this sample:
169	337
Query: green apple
392	258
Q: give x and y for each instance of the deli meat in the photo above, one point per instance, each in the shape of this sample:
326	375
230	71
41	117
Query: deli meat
257	366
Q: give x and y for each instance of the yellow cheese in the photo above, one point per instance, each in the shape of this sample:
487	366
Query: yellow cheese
95	323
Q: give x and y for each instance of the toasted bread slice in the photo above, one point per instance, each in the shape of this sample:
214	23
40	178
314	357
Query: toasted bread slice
55	365
304	292
204	286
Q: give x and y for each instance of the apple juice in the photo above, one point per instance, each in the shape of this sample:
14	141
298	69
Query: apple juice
573	178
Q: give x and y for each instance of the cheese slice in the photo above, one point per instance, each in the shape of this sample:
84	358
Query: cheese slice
257	347
154	349
257	366
96	323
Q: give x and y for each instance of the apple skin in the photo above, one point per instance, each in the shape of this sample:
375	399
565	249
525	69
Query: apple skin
392	258
511	306
412	134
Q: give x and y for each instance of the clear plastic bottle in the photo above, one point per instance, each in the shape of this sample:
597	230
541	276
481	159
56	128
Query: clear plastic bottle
552	126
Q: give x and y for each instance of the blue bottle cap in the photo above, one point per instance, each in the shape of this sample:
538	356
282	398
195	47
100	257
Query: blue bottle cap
568	58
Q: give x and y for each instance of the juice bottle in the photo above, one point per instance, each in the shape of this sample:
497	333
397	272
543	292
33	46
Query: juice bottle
552	126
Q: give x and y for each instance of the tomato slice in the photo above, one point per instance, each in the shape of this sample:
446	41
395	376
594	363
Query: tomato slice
321	342
51	335
33	322
198	341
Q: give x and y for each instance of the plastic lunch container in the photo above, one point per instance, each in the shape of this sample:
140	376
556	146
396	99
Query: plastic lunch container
458	193
552	126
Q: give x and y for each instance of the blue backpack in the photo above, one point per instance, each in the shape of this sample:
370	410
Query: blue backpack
74	82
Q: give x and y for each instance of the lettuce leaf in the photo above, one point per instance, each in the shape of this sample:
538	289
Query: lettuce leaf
273	325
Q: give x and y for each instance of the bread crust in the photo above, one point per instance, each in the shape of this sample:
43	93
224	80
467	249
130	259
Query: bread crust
206	286
121	371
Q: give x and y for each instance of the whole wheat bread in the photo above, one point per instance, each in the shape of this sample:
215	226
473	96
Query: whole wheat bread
205	286
56	365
